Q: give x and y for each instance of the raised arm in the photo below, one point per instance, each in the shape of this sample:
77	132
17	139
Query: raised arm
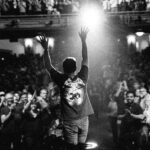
83	35
47	58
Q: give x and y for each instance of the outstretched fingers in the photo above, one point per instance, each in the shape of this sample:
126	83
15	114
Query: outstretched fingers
42	37
43	40
83	32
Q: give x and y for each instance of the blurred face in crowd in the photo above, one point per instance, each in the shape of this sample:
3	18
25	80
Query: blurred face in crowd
24	91
136	85
108	83
143	92
130	97
16	97
137	92
42	102
30	97
23	98
43	93
9	99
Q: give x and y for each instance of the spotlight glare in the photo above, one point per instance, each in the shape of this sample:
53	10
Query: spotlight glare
131	39
51	42
140	33
91	16
91	145
28	42
137	45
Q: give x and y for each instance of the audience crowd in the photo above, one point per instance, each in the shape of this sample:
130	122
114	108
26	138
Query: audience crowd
36	7
30	115
125	5
126	99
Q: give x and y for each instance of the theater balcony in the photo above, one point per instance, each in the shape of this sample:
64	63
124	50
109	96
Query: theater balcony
22	26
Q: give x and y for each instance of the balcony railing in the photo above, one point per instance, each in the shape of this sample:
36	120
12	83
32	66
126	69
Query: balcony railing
129	18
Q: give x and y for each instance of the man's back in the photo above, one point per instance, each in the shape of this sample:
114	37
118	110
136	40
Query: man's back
74	98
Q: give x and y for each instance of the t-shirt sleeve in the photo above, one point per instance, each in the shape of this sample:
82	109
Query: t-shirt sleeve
83	74
56	76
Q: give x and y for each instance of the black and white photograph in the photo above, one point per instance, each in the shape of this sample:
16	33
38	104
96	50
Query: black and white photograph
74	74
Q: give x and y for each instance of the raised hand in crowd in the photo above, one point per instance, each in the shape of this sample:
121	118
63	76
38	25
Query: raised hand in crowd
43	40
83	33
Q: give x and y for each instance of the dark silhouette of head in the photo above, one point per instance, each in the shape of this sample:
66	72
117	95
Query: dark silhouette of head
69	65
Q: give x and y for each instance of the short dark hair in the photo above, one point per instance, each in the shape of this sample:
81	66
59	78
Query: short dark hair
130	92
69	65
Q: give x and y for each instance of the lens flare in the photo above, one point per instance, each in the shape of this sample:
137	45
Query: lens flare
28	42
51	42
91	145
91	16
131	39
139	33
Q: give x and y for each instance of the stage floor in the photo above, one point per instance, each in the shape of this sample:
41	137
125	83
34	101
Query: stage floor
100	133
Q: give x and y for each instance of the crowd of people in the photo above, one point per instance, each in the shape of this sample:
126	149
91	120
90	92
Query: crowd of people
36	7
125	5
30	101
121	91
30	112
30	121
127	103
45	115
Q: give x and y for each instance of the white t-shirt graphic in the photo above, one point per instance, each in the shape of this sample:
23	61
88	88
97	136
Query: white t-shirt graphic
74	91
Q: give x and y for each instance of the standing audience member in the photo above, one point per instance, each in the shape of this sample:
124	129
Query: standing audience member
130	126
31	127
7	136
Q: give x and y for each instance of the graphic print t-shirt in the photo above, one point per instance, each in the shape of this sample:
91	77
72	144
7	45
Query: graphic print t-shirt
74	98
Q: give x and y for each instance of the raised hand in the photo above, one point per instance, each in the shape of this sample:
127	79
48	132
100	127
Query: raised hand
83	33
43	40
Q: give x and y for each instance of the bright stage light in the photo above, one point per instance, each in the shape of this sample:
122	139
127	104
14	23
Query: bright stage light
131	39
28	42
51	42
139	33
91	145
91	16
137	45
